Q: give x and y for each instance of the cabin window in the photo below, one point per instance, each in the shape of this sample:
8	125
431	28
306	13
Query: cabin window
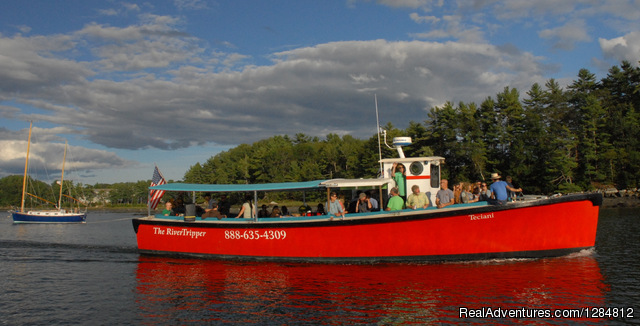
435	175
416	168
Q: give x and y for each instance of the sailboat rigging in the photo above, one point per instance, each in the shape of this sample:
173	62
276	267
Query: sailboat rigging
59	215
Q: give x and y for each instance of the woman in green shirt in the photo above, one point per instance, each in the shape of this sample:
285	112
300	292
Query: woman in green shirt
400	177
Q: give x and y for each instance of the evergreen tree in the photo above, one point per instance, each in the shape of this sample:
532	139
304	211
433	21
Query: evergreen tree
590	122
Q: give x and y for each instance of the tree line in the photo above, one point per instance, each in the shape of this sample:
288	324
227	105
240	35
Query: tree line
552	139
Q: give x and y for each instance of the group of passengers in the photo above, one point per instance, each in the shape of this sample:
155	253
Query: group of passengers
275	211
209	208
498	193
364	201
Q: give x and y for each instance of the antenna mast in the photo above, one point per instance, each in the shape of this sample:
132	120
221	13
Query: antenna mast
375	96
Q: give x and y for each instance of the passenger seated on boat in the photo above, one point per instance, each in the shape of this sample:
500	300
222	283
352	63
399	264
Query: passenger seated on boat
457	191
363	205
208	202
320	209
444	196
213	212
246	211
513	195
284	211
467	196
396	202
304	210
374	202
485	193
263	212
275	212
335	208
354	202
417	199
167	211
179	207
224	206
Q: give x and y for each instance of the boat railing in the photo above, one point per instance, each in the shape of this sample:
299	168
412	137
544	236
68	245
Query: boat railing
321	217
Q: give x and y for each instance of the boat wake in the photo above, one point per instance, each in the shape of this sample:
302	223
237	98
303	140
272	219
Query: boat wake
497	261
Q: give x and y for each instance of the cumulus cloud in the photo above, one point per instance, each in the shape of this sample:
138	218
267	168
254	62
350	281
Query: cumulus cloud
625	47
29	63
315	90
563	23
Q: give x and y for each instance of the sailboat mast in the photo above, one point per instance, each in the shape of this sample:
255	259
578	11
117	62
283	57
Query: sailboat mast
26	165
64	158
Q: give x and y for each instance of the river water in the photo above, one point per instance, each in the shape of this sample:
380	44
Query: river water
92	274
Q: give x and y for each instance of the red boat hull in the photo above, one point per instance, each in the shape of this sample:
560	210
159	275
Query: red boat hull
540	228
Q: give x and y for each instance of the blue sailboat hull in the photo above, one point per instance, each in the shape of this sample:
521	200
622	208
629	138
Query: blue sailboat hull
49	217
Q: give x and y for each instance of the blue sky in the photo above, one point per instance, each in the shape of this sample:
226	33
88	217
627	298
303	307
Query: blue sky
131	84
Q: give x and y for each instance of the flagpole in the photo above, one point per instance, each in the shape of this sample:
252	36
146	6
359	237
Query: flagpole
155	194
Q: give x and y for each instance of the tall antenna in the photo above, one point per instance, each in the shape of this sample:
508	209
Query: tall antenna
375	96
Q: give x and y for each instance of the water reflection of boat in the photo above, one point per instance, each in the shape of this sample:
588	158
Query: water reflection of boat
58	215
215	291
536	227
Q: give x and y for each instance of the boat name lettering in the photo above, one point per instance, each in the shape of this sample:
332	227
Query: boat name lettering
480	216
255	234
179	232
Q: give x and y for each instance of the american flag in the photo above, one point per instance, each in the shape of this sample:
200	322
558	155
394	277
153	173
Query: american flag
156	195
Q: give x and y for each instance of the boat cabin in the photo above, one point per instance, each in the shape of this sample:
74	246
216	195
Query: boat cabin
421	171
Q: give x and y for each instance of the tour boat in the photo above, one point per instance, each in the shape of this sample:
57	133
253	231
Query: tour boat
57	215
536	226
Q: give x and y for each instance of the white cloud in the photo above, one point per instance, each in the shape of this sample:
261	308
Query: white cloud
29	63
411	3
329	83
423	19
455	27
191	4
565	37
625	47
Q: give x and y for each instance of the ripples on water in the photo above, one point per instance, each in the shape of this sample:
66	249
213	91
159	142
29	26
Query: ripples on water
92	274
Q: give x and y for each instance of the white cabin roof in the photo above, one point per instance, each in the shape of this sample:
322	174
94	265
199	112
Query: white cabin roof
412	159
358	183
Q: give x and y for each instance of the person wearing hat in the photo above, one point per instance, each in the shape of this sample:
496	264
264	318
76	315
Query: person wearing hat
499	188
364	204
